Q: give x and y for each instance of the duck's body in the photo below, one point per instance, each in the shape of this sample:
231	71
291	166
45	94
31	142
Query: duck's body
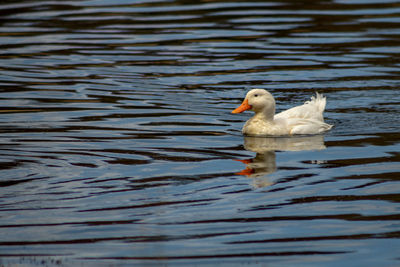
304	119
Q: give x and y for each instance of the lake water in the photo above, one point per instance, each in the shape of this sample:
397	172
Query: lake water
118	147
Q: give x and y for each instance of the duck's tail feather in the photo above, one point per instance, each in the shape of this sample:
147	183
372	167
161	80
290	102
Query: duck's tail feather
319	100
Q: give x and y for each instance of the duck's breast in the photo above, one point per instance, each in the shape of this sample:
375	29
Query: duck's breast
255	126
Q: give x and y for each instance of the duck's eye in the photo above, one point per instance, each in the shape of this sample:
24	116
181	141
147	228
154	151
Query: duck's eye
255	95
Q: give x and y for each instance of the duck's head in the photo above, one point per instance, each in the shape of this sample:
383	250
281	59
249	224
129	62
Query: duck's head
257	100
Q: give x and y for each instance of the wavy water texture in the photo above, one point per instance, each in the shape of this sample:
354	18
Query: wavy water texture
118	146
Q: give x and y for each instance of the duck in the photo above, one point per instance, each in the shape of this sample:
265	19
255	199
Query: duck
300	120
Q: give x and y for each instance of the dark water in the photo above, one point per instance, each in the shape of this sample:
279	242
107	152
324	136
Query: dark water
118	147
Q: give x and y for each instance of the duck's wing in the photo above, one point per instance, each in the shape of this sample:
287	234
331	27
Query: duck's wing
312	109
307	126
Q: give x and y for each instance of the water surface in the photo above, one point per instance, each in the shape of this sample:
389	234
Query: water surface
118	146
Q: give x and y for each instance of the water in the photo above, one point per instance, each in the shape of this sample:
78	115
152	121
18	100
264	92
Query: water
118	147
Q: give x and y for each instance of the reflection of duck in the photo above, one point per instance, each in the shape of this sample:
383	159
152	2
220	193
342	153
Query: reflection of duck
294	143
264	162
304	119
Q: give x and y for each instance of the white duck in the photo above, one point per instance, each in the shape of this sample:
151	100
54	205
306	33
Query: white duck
304	119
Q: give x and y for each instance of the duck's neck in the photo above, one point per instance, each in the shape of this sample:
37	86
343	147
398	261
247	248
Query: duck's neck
266	115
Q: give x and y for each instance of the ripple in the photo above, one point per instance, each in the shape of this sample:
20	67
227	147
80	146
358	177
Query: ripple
119	146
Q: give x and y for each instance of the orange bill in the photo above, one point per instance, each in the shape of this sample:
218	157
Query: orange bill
248	171
245	161
244	106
